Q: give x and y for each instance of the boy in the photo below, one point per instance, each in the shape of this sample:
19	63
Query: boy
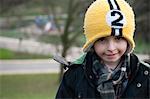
108	70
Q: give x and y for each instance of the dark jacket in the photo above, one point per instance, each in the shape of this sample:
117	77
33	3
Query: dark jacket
78	82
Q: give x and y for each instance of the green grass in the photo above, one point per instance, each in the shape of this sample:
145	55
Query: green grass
8	54
37	86
33	7
12	34
53	39
142	47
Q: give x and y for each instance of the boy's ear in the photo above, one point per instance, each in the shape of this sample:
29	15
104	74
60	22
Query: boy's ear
92	49
128	48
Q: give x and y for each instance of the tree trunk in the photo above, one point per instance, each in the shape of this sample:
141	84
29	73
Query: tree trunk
64	53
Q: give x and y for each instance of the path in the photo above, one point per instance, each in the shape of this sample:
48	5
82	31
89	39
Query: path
28	66
35	66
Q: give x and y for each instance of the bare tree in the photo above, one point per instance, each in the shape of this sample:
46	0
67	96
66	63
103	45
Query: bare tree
142	11
7	5
72	23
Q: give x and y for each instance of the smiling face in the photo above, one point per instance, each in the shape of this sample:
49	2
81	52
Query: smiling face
110	49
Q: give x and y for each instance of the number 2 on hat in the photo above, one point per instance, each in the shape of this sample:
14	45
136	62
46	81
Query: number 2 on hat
115	19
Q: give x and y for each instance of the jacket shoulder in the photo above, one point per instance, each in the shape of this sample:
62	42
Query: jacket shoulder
146	65
69	82
139	62
72	75
73	70
144	68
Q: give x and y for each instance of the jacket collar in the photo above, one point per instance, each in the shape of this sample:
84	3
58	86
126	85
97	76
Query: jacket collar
132	70
134	66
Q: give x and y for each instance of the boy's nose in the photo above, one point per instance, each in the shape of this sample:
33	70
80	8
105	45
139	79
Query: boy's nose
111	46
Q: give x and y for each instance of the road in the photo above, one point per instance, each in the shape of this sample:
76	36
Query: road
28	66
34	66
31	46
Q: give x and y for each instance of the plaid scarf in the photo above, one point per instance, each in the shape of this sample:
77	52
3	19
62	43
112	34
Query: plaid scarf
110	85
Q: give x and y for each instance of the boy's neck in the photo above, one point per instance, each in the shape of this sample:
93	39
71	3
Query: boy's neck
112	66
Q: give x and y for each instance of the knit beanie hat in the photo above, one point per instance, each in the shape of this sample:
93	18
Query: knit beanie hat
109	18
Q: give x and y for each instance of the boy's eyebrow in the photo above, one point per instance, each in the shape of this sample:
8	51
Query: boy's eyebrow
101	38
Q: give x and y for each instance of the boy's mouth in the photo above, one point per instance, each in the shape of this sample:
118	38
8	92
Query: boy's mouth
112	54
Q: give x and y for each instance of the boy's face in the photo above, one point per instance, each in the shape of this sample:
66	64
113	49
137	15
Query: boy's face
110	49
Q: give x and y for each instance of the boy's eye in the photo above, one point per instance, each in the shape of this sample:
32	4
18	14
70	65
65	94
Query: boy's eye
118	38
102	39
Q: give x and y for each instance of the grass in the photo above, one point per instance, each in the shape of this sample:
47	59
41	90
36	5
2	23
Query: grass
33	86
8	54
53	39
31	7
12	34
142	47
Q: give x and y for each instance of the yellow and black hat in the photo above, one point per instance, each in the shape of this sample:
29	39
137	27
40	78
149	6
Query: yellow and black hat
109	18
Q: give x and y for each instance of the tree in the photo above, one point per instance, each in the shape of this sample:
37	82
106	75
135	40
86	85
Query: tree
7	5
142	11
71	12
75	8
72	23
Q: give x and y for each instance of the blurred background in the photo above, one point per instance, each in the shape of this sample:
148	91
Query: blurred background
32	31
